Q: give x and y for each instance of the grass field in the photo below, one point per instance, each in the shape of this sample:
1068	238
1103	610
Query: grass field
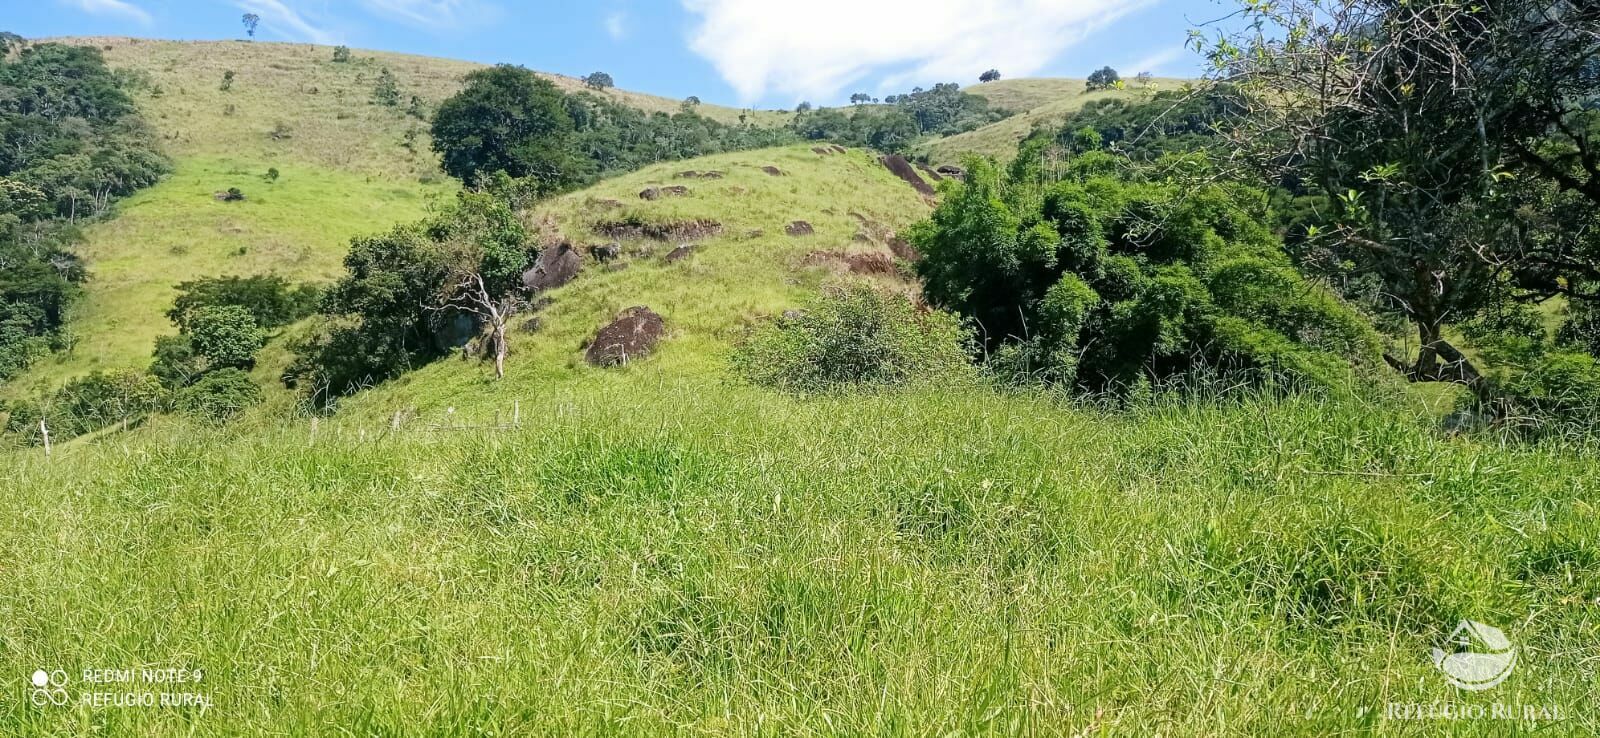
660	549
1038	102
676	556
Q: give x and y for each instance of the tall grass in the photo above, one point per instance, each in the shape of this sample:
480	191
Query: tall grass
673	556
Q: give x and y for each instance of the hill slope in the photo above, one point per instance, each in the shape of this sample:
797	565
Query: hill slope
1039	102
346	167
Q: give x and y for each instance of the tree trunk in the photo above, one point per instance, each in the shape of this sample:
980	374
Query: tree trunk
500	349
1426	367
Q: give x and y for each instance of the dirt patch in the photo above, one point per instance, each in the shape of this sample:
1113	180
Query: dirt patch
774	171
679	254
556	266
633	335
232	194
868	263
669	230
823	151
656	193
953	172
899	167
692	174
904	250
799	228
604	203
935	176
840	149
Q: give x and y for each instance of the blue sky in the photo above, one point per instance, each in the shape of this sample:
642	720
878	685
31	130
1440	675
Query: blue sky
765	53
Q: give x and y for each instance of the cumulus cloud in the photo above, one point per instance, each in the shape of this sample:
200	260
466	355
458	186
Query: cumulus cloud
617	25
285	21
117	8
818	47
431	13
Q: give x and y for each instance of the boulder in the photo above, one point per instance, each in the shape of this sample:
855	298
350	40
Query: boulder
633	335
604	253
679	254
556	266
799	228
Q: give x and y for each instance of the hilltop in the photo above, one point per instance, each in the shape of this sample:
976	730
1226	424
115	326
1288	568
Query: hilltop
1038	102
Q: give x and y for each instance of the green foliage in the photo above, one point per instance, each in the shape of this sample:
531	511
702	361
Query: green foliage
1110	280
390	313
386	91
70	144
224	336
341	54
599	81
855	337
272	301
508	119
1104	78
220	395
992	75
942	111
89	403
227	80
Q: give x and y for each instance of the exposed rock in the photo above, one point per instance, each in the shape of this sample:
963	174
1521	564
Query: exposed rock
692	174
531	325
680	253
953	172
822	151
901	168
656	193
632	336
604	253
935	176
799	228
681	230
857	263
616	266
772	170
556	266
232	194
840	149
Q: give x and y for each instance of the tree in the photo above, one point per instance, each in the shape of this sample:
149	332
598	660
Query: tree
992	75
804	107
1449	138
860	98
225	336
599	81
690	103
1144	79
508	119
251	20
1104	78
272	301
1105	280
341	54
386	91
227	80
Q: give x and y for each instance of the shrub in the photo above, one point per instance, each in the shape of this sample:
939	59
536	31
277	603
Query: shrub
225	336
220	395
854	337
272	301
1109	282
341	54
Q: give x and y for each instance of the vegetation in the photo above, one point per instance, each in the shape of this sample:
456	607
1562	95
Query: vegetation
1110	279
855	337
942	111
510	120
1104	78
73	143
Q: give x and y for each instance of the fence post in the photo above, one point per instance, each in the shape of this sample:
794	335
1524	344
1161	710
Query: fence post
45	432
315	421
516	413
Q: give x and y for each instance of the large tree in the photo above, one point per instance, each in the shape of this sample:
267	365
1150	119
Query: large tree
1446	135
508	119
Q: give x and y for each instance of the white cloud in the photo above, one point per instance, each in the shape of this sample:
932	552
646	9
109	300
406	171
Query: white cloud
287	22
1156	62
431	13
818	47
113	7
617	25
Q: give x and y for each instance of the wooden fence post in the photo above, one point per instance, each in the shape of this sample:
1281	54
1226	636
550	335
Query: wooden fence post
45	432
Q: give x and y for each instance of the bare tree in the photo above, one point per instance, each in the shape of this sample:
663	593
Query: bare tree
468	293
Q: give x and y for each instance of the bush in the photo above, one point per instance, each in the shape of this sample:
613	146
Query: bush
225	336
855	337
272	301
220	395
341	54
1110	282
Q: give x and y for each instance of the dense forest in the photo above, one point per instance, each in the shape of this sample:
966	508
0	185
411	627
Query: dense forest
71	143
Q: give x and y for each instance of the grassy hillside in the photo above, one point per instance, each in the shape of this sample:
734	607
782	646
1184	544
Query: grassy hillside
347	167
1038	102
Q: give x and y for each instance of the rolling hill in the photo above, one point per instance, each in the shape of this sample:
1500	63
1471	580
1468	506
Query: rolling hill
662	549
1038	102
345	167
